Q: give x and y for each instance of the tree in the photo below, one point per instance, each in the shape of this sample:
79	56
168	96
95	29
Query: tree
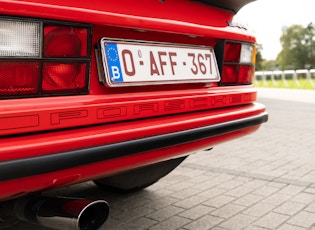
310	42
259	58
261	63
297	47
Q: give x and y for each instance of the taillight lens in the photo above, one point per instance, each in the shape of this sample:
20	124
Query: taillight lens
19	78
39	58
65	41
19	38
64	77
237	62
232	52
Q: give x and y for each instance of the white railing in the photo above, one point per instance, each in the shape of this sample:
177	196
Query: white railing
302	78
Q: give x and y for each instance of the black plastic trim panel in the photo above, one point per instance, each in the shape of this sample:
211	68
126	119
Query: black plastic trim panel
21	168
232	5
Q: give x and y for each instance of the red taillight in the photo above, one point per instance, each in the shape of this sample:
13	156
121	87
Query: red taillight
46	59
64	77
230	73
19	78
232	52
237	74
246	74
237	63
65	41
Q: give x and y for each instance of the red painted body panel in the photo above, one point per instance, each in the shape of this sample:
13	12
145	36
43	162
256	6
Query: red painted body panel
34	127
172	16
24	186
80	138
31	115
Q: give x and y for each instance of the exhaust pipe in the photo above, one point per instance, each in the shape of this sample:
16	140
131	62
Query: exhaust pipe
62	213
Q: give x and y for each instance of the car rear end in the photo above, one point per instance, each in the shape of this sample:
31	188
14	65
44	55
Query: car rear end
93	89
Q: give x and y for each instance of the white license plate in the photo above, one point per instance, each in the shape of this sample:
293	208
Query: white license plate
143	63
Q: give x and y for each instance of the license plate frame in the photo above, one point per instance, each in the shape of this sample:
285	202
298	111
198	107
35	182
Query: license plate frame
134	63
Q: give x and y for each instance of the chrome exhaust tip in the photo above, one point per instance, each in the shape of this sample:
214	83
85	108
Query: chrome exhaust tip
63	213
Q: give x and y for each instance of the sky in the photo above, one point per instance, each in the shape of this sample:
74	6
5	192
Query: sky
266	18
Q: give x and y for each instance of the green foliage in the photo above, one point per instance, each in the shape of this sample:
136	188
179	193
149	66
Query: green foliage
298	47
259	58
261	63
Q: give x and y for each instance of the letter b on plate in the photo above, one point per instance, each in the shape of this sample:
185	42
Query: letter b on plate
113	62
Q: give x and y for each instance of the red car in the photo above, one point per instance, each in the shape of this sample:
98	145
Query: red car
119	92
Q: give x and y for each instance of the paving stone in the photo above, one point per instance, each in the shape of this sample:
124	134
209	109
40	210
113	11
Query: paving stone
173	178
190	202
304	198
180	186
185	193
289	208
239	191
219	201
310	190
252	227
277	184
196	212
255	184
276	199
230	184
204	223
290	227
132	203
291	190
134	214
193	173
200	179
248	200
142	223
218	228
301	171
271	220
310	207
303	219
259	209
228	210
165	213
161	203
239	221
265	191
243	179
164	192
163	183
309	177
173	223
213	192
294	180
110	223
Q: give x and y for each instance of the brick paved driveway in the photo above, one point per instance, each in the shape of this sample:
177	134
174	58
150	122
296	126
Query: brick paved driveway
262	181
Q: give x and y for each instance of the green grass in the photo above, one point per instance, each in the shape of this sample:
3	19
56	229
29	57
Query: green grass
290	84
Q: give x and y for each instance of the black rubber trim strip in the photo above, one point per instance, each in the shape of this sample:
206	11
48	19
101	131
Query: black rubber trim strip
233	5
20	168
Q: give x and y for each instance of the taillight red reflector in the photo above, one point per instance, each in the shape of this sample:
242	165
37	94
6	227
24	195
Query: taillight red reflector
240	74
19	78
246	74
232	52
64	78
65	41
229	74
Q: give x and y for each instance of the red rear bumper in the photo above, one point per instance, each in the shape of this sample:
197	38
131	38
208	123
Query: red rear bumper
102	150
